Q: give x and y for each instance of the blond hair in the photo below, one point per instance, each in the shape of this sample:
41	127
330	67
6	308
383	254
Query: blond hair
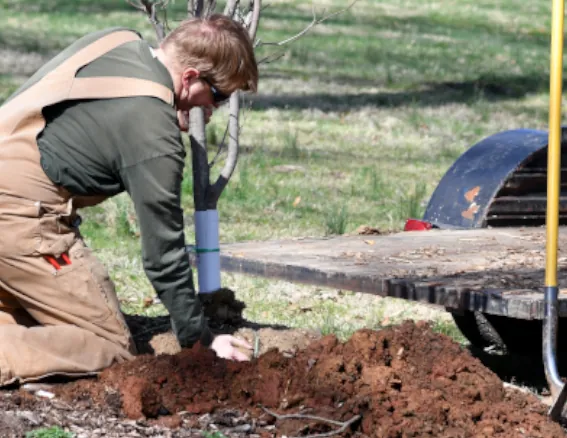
220	48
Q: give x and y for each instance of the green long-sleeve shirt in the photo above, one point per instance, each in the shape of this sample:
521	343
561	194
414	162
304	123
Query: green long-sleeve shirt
107	146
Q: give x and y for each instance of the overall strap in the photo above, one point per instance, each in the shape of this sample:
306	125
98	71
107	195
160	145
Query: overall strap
109	87
55	86
94	50
21	118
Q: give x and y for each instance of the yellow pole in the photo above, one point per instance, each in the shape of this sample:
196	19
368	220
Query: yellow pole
551	291
554	148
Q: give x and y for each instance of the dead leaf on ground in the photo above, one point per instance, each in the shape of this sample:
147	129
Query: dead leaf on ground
367	230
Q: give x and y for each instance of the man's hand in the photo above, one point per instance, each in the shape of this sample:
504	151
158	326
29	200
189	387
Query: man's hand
225	347
183	120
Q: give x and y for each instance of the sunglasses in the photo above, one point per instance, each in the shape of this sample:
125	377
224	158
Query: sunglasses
218	96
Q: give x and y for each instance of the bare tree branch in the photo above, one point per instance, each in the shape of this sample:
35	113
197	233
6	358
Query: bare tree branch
220	148
232	152
271	58
230	8
309	26
216	189
195	8
344	425
210	8
150	8
136	5
255	6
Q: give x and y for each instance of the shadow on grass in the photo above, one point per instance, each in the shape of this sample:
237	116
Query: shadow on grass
448	24
489	88
69	6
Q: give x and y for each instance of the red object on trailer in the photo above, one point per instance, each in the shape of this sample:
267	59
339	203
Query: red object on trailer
417	225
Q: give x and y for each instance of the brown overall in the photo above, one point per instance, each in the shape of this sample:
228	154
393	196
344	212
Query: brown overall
60	318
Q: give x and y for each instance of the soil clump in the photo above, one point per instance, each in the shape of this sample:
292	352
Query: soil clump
401	381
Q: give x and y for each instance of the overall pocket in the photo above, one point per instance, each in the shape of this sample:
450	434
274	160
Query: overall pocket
79	290
57	233
56	236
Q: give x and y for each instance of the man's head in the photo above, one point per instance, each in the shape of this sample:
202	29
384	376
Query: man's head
210	58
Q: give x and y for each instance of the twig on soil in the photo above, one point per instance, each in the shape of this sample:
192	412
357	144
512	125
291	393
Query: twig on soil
343	424
256	345
59	404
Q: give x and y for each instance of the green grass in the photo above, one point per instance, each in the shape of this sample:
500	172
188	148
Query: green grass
215	434
354	125
49	432
450	329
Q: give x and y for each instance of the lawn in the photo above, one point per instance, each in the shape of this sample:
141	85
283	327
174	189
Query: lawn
354	124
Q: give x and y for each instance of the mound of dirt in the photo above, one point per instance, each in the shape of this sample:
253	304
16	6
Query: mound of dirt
399	382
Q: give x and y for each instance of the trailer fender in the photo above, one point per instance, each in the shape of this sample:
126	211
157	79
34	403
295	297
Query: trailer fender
465	193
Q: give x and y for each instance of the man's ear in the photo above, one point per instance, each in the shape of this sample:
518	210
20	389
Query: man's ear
188	75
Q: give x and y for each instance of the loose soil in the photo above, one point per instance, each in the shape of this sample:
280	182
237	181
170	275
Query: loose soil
401	381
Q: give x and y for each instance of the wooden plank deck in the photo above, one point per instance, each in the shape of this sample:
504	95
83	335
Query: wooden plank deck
498	271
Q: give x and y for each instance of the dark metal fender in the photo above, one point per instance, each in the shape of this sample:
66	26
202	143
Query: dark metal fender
466	191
